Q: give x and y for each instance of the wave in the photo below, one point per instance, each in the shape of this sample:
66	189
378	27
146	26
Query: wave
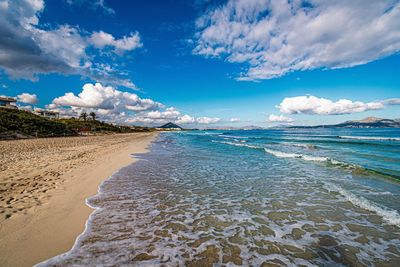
390	216
354	168
308	146
233	136
281	154
236	144
372	138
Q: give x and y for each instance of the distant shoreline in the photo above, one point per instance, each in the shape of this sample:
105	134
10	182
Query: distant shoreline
56	177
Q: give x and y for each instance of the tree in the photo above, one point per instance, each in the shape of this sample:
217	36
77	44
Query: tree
83	116
93	115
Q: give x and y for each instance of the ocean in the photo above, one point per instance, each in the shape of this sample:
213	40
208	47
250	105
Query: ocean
304	197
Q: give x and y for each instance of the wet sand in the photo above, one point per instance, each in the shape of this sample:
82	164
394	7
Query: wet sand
43	187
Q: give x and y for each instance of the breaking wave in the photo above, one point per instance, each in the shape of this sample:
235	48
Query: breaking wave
373	138
329	161
390	216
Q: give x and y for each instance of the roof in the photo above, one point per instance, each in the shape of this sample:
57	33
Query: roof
7	99
41	111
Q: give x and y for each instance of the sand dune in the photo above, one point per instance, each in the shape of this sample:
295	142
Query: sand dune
43	187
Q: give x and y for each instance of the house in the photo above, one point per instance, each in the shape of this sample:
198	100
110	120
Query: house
47	113
7	102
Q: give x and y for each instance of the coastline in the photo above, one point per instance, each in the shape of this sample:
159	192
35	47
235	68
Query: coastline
51	227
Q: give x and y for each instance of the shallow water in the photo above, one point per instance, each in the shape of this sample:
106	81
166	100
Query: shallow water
312	198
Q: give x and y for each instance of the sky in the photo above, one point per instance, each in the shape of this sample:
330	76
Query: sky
203	63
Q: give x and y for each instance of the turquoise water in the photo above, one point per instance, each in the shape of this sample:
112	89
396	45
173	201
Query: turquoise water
321	197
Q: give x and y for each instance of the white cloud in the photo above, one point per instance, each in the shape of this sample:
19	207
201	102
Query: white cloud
185	119
279	118
323	106
26	108
126	43
234	120
28	98
101	4
121	107
207	120
106	98
169	115
156	116
28	48
278	37
94	4
391	101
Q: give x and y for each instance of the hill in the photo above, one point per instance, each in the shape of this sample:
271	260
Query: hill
79	126
19	124
16	124
170	126
369	122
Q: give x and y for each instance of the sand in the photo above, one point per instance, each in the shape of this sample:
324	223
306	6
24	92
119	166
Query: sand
43	187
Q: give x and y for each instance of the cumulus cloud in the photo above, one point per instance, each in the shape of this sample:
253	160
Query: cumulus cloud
323	106
279	118
234	120
106	98
207	120
126	43
186	119
28	49
118	106
28	98
278	37
170	115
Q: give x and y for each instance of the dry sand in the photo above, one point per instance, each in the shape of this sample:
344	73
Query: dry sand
43	187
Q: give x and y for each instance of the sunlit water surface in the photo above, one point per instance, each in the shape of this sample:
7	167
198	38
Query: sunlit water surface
203	198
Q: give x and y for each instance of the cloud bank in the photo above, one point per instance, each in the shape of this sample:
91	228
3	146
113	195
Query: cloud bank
321	106
118	106
277	37
279	118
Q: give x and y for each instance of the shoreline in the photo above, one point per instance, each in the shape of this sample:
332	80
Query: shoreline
52	227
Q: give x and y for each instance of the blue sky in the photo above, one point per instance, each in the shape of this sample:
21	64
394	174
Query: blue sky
214	62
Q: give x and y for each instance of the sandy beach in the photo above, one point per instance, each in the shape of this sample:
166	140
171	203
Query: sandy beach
43	187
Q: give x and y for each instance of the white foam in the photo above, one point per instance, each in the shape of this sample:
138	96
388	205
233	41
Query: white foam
236	144
370	138
281	154
233	136
390	216
308	146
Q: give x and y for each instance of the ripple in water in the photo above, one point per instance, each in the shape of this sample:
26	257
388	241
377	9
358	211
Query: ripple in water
189	203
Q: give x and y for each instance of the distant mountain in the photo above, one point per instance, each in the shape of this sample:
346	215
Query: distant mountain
369	122
170	126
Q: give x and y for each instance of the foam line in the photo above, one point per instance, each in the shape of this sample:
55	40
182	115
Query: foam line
392	217
375	138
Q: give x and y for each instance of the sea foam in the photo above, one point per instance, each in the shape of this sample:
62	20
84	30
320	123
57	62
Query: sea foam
375	138
392	217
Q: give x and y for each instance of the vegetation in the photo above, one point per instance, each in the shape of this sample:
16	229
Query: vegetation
29	124
19	123
93	115
97	126
83	116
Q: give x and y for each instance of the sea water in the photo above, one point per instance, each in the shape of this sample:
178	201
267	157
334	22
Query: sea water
320	197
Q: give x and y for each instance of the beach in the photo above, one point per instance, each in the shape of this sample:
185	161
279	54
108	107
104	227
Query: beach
44	184
249	198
